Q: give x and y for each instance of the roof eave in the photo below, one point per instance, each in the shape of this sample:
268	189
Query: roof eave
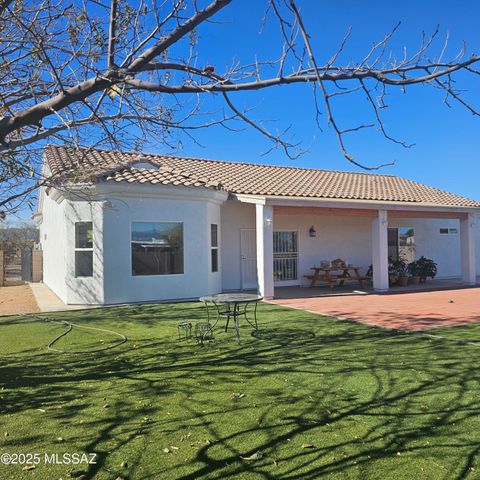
274	200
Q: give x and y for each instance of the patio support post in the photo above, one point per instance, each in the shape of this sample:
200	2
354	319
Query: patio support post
264	224
380	251
467	249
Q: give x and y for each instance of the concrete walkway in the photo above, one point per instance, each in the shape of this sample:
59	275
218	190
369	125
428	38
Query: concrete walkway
402	311
47	301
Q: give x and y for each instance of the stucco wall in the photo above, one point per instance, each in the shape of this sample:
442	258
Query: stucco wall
444	249
53	243
57	238
112	282
235	216
84	289
197	279
348	238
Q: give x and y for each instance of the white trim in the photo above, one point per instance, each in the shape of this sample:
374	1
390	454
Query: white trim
37	218
163	191
216	247
103	191
467	250
380	251
264	234
56	195
348	203
83	249
253	199
44	173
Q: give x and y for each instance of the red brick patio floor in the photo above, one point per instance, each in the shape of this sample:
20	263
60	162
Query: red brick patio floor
402	311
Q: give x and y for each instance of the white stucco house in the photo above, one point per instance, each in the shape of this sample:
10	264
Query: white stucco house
131	228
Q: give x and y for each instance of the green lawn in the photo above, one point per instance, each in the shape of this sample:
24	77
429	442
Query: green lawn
371	403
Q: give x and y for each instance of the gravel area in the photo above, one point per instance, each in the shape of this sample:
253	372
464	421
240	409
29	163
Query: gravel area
17	299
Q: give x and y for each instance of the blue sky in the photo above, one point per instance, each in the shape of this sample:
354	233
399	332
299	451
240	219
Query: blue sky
446	151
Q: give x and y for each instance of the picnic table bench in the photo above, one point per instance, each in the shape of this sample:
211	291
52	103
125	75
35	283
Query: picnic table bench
336	274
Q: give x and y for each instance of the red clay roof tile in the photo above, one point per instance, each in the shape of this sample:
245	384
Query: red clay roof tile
243	178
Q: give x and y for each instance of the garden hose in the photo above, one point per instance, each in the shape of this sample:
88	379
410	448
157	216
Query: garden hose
71	326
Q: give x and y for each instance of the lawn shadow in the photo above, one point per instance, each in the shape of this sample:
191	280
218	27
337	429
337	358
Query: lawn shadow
405	394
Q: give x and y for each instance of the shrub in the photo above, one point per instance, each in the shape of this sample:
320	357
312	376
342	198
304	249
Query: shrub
427	267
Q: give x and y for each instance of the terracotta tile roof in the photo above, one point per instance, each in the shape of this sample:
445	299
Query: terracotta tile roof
243	178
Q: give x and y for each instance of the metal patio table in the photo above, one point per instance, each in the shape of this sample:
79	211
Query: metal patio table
232	305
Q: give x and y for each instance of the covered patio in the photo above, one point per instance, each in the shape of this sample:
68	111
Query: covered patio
348	226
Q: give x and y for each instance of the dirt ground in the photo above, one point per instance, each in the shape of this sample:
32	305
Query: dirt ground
17	299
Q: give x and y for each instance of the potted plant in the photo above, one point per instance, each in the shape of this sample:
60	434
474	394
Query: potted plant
426	268
414	271
399	268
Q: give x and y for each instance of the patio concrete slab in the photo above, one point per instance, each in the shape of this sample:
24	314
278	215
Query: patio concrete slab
323	290
402	311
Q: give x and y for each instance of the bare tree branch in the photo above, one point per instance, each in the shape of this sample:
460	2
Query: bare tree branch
326	96
126	74
153	52
276	139
112	33
80	92
4	4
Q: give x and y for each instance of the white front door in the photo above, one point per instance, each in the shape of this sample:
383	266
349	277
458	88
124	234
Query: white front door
248	252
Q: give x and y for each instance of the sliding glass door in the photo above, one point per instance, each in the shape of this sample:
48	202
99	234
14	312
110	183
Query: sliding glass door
401	244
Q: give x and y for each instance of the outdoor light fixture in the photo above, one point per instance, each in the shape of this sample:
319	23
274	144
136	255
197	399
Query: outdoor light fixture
312	232
268	222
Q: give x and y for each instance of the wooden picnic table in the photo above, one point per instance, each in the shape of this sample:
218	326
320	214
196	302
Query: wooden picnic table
336	274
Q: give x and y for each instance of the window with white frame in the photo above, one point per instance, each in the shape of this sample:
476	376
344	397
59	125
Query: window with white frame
214	246
157	248
83	249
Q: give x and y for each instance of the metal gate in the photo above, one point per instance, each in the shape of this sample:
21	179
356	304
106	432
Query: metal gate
26	264
12	267
285	257
31	265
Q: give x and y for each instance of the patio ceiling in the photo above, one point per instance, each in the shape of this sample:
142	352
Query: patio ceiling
362	212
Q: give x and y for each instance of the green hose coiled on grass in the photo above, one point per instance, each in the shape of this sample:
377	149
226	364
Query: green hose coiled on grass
70	326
